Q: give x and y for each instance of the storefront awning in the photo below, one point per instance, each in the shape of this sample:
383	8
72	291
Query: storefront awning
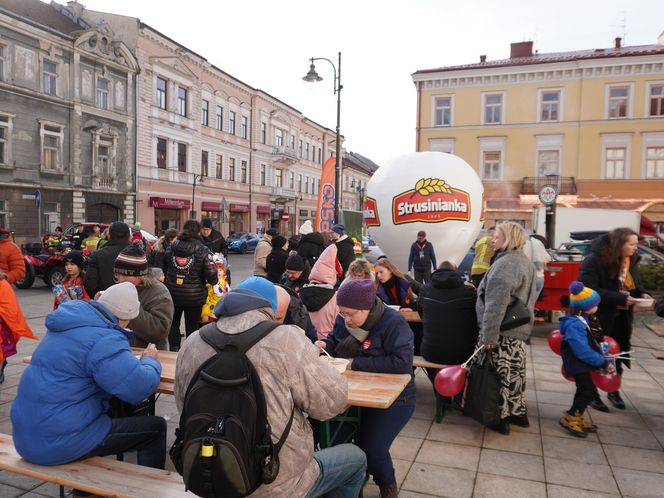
167	203
210	206
238	208
263	209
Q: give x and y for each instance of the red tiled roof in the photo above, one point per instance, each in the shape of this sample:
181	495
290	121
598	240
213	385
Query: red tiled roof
599	53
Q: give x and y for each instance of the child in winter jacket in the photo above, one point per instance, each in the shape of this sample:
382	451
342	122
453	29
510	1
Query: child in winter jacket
581	353
215	291
71	286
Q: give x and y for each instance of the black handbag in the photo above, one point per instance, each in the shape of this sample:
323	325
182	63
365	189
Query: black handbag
482	399
516	314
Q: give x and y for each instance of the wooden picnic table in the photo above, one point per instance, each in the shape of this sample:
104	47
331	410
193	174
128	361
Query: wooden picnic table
411	316
367	389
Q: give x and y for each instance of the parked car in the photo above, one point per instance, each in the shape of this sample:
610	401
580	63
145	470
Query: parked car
242	242
577	250
370	250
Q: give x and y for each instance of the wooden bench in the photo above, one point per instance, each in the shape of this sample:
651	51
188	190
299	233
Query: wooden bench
419	362
97	475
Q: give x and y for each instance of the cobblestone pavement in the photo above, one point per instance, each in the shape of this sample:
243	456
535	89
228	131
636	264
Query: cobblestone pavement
459	458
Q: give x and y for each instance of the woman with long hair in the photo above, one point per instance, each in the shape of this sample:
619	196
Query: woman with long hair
393	287
510	276
188	266
612	270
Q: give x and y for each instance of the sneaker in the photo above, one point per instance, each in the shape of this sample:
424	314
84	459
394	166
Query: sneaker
572	424
520	420
599	405
586	426
616	400
503	427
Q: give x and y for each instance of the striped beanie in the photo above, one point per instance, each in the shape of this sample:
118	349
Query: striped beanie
581	297
131	262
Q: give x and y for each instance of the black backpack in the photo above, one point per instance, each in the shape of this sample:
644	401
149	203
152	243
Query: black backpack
223	445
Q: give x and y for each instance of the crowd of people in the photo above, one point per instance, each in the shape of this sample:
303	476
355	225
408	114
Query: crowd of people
322	298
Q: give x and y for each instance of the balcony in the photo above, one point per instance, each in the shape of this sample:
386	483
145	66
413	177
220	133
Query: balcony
281	195
104	182
284	155
531	185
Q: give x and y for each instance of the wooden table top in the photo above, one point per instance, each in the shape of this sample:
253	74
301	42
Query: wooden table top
367	389
411	316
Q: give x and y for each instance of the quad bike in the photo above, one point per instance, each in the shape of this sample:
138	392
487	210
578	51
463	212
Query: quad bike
47	266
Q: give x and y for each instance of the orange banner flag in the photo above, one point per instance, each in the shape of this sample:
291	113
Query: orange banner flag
325	211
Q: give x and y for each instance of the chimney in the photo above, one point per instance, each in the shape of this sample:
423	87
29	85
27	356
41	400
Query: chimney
521	49
482	58
618	42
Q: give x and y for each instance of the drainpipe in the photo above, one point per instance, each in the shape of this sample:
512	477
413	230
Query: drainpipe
251	162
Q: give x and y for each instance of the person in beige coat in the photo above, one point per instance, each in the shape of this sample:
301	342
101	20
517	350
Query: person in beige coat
263	248
292	374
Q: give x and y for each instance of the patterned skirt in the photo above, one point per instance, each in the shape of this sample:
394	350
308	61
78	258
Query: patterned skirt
509	359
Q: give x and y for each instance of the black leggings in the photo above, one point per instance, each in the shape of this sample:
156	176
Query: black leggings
192	317
585	392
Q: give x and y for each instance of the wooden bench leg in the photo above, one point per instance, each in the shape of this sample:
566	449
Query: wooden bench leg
441	407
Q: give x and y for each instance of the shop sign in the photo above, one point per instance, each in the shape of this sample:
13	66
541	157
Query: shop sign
167	203
211	206
263	209
238	208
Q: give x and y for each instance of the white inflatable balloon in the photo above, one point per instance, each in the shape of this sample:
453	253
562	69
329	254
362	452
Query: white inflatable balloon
431	191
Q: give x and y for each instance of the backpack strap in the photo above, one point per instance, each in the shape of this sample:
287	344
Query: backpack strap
243	341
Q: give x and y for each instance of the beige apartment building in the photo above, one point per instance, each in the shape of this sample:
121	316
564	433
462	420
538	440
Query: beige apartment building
212	144
591	122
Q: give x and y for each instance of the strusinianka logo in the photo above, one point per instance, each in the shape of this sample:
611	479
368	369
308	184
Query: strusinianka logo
371	218
326	208
431	201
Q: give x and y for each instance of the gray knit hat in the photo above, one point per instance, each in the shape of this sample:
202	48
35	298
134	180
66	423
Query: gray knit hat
121	300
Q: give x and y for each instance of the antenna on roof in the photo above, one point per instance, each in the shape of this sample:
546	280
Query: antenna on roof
622	25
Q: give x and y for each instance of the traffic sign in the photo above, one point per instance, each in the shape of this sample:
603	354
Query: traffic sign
37	198
285	216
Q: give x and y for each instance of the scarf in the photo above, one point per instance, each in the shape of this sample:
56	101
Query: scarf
393	288
351	346
625	276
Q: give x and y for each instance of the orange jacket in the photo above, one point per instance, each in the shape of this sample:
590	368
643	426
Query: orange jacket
11	261
11	314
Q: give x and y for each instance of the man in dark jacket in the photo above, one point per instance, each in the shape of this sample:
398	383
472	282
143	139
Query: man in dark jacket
447	308
422	257
311	247
345	246
99	274
213	239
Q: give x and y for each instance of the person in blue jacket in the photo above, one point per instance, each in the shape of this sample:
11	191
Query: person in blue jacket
581	354
375	338
60	411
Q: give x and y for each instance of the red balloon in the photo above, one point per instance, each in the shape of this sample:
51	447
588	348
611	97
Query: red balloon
562	371
609	383
450	380
613	345
555	340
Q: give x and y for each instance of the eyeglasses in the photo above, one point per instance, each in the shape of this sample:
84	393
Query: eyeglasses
347	316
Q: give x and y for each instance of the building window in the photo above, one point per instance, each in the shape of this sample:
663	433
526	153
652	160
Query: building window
50	77
2	64
161	153
278	137
548	162
205	112
300	151
102	93
306	151
218	164
493	108
618	101
292	142
243	171
306	184
656	100
549	105
615	162
162	85
220	118
313	182
263	132
204	163
231	122
182	157
263	174
182	101
52	139
103	158
243	127
4	213
231	169
291	180
442	111
655	162
491	164
278	178
4	136
320	155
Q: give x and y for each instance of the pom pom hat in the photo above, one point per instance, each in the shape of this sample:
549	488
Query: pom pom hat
581	297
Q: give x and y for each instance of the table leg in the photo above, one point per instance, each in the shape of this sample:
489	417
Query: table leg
343	428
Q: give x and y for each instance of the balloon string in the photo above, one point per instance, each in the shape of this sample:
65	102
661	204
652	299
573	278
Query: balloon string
479	348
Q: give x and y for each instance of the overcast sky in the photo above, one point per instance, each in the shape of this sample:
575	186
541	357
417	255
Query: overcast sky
267	44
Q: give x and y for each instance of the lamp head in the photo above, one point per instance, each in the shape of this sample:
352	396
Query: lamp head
312	75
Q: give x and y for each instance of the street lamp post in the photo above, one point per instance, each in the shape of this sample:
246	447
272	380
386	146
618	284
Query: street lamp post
192	212
312	76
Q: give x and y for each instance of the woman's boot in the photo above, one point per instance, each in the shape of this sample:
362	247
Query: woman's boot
389	491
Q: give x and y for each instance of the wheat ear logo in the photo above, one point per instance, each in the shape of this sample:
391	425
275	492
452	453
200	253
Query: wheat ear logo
433	200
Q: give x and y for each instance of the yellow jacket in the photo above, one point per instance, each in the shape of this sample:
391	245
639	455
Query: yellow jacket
483	254
90	243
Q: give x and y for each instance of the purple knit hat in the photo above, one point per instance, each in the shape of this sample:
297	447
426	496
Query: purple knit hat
357	294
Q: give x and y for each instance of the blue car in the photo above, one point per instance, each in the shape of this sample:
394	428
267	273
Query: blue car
242	242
